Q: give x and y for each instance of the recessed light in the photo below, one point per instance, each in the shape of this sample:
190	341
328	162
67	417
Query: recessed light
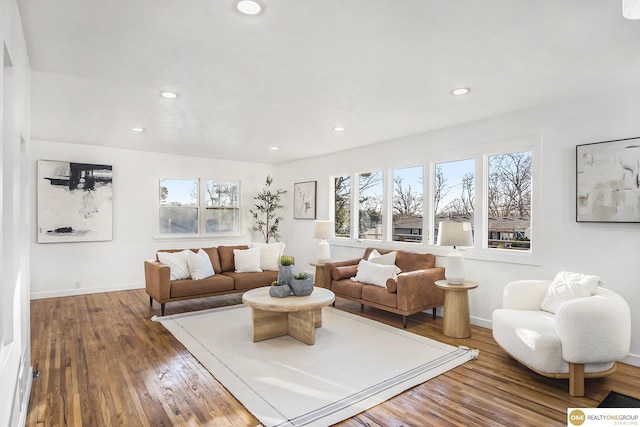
249	7
274	148
168	95
338	129
461	91
137	129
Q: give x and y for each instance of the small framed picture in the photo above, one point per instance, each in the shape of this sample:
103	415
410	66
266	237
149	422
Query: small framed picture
304	200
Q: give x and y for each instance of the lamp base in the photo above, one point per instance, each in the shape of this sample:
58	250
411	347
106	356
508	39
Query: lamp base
324	253
454	271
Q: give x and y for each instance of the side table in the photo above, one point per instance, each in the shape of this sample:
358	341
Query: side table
457	319
319	276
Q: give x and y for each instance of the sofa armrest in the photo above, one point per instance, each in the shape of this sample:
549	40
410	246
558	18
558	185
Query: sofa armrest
157	280
418	289
329	266
594	329
524	294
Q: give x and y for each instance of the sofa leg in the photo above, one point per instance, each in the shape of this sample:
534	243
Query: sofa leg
150	301
162	304
361	307
434	313
404	322
576	379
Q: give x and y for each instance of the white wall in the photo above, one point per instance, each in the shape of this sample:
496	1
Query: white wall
118	264
608	250
15	346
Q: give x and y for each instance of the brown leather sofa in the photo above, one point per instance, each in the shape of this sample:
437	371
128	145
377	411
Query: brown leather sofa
159	287
413	291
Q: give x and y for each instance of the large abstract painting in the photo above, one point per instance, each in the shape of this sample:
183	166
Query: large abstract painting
74	202
608	181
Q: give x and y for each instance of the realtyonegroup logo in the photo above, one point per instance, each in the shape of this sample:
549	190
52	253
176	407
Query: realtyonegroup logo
601	417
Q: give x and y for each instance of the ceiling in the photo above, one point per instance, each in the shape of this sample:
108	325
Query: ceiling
383	69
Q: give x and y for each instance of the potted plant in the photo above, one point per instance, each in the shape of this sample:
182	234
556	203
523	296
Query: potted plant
285	272
265	214
301	285
279	290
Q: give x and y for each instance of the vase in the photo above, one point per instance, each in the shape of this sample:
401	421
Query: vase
302	287
285	274
280	291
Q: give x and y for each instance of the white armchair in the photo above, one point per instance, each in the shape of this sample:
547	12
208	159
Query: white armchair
583	339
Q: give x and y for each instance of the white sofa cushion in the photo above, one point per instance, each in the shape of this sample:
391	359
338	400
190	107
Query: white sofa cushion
247	260
199	265
270	254
177	262
375	274
567	286
386	259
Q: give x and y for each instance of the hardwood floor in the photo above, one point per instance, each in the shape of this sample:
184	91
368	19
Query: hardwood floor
103	362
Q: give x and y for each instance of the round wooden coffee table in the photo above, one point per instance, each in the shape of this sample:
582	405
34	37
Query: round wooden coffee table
295	316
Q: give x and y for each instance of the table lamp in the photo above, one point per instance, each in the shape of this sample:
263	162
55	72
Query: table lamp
455	234
323	230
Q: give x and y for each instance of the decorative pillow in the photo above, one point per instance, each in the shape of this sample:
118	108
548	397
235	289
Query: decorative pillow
199	265
344	272
375	274
567	286
386	259
270	254
247	260
177	262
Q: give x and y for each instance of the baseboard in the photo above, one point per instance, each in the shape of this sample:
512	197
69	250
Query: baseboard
86	291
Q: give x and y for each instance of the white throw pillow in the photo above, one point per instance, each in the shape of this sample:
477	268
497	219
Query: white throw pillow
247	260
386	259
270	254
375	274
567	286
199	265
177	262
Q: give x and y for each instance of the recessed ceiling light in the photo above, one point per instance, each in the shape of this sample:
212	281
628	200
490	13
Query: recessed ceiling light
338	129
169	95
249	7
274	148
461	91
137	129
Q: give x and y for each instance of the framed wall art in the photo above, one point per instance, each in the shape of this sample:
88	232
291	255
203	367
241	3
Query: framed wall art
608	181
304	200
74	202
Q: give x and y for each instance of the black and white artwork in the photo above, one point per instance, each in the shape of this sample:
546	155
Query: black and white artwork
74	202
608	181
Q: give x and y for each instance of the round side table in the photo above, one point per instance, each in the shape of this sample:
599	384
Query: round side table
457	320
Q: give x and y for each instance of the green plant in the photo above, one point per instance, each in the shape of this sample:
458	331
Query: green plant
265	209
286	260
301	276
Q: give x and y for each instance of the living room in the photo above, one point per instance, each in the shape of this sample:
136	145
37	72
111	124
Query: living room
551	131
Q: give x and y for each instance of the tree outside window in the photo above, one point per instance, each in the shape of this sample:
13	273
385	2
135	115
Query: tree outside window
370	189
509	201
453	192
342	195
407	204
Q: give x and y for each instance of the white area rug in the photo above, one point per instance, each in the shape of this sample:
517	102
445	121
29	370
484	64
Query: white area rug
355	364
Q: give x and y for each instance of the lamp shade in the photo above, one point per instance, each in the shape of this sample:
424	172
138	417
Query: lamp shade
455	234
631	9
322	229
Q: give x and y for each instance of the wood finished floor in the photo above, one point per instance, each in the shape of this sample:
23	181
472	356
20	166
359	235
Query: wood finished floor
103	362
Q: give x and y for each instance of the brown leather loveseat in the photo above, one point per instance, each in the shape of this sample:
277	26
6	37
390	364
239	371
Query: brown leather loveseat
413	290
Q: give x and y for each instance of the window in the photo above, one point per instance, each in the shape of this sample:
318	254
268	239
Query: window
407	204
222	206
370	205
178	206
189	206
342	206
453	193
509	201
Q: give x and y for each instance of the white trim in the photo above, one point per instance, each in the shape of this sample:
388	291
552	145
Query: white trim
86	291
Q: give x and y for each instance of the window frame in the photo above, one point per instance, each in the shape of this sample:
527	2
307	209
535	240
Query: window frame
480	155
202	209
